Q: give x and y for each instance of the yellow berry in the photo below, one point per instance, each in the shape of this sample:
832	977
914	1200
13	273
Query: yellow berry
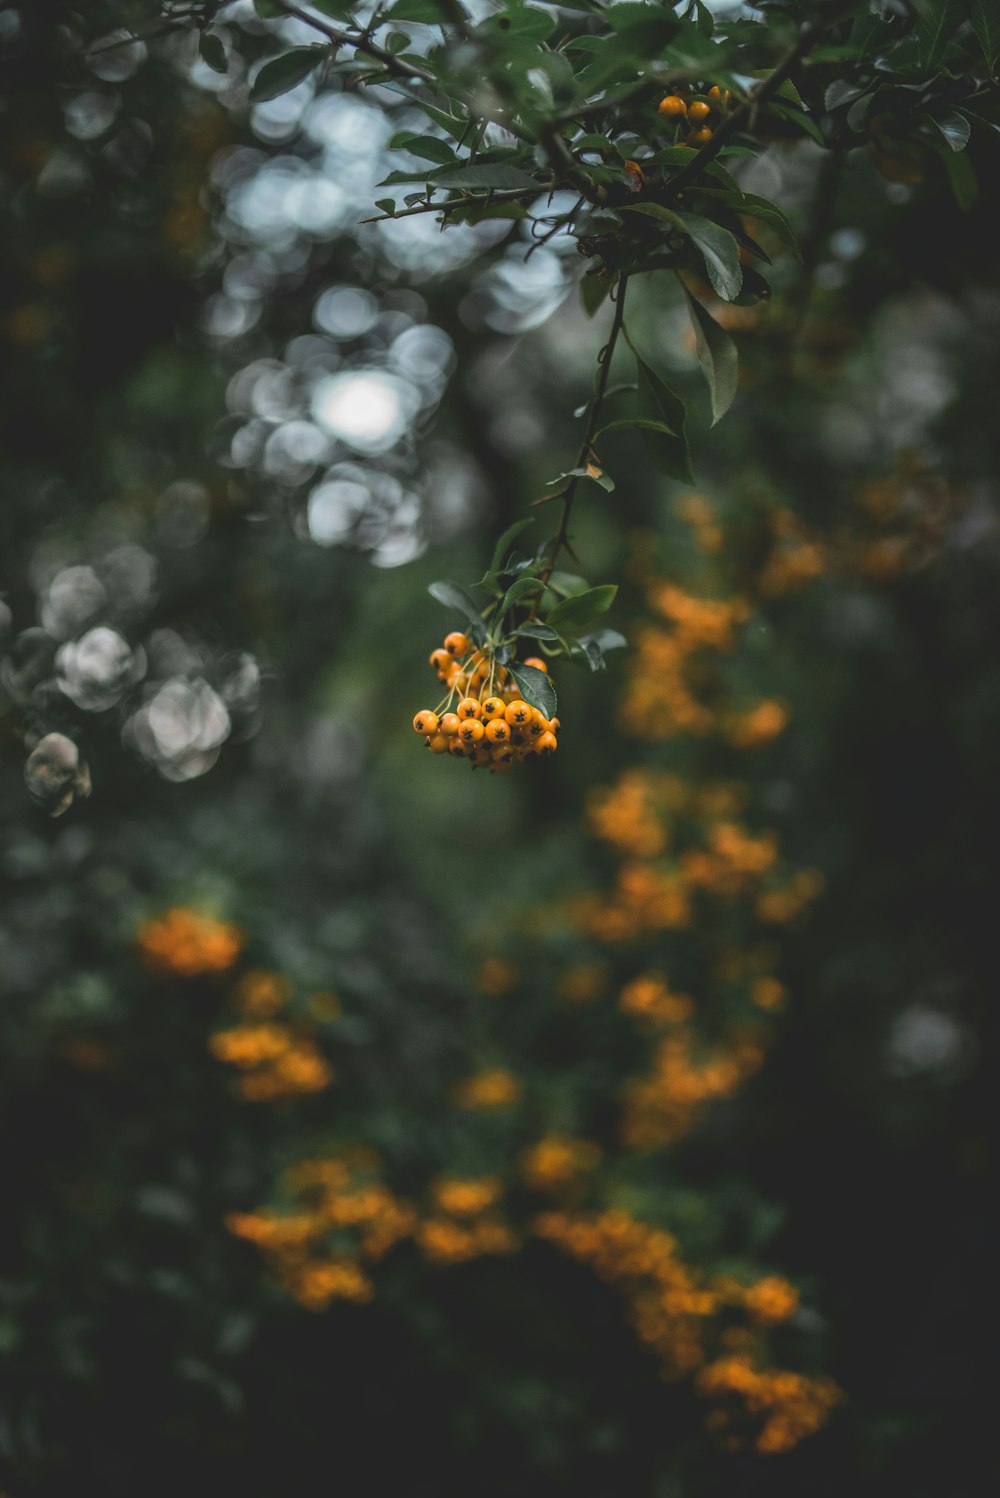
471	730
498	731
494	707
469	707
425	722
450	724
518	714
672	106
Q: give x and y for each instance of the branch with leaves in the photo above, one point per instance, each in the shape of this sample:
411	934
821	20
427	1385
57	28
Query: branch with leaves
644	115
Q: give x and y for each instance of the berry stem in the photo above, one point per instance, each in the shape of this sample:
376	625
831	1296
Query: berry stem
584	455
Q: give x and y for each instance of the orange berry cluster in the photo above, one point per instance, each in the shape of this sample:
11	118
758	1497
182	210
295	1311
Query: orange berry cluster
696	113
484	718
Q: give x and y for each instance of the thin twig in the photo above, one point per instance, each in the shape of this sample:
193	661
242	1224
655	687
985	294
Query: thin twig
604	360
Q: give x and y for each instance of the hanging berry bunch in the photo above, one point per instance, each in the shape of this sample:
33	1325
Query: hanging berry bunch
499	708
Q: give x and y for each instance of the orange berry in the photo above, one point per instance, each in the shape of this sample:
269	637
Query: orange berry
554	725
450	724
437	743
699	110
503	754
425	722
469	707
518	714
456	679
471	731
441	660
494	707
673	106
537	662
546	744
501	766
498	731
537	727
456	747
456	643
700	137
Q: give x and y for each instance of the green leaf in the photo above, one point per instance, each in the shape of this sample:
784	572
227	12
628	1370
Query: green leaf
985	20
387	205
717	356
454	596
594	290
954	127
720	253
213	53
582	609
608	639
428	147
283	73
798	117
962	176
935	23
718	248
502	548
519	23
536	631
756	207
658	403
536	689
499	174
428	11
518	589
341	10
567	584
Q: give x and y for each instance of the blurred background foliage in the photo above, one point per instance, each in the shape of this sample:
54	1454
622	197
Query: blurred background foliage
593	1122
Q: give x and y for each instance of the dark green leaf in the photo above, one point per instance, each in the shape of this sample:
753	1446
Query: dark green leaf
428	11
986	24
283	73
536	689
594	290
840	92
798	117
581	609
213	53
936	21
567	584
717	246
499	174
608	639
962	177
536	631
954	127
716	355
387	205
657	402
428	147
502	548
454	596
518	589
